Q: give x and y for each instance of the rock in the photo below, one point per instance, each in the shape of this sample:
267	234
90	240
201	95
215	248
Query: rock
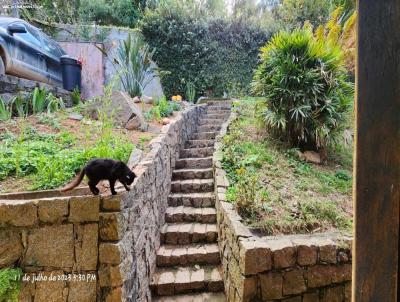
311	157
147	99
133	124
166	121
136	99
10	247
122	109
75	116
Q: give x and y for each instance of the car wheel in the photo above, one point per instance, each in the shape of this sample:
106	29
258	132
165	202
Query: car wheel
2	67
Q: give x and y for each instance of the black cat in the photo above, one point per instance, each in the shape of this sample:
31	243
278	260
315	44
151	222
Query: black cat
103	169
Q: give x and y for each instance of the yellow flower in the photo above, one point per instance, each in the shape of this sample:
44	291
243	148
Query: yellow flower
179	98
174	97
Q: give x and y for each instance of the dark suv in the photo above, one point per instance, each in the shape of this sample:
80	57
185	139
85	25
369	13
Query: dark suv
25	51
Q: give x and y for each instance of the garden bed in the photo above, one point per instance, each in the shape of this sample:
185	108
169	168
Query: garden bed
275	191
296	267
45	151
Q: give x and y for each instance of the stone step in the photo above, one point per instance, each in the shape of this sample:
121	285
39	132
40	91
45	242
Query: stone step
195	200
219	107
192	174
211	121
208	128
194	163
201	297
204	135
197	152
185	255
219	103
192	185
190	214
202	143
172	281
186	233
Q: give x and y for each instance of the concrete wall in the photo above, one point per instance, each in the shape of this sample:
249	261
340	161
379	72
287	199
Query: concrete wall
109	37
296	268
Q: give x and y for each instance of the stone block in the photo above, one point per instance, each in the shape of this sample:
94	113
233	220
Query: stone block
113	295
111	203
52	211
271	285
284	253
333	294
84	209
319	276
293	282
86	247
109	227
50	246
109	276
307	255
18	213
55	291
82	291
341	273
293	299
109	253
311	297
327	253
255	257
10	247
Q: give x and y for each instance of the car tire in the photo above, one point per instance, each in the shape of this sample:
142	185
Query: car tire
2	67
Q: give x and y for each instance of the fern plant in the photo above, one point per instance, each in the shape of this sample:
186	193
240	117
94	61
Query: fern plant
305	89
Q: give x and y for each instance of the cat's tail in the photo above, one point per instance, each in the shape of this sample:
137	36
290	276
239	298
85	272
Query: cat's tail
75	182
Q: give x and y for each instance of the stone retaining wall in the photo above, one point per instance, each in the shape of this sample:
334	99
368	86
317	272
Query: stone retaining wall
11	86
295	268
112	240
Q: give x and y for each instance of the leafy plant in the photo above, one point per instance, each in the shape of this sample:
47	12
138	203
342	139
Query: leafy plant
135	61
76	96
162	108
10	284
38	100
53	103
305	89
5	110
190	91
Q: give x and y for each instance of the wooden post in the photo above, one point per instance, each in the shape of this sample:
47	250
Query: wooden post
377	158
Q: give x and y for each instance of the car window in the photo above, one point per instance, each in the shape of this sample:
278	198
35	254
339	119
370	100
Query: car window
31	36
52	47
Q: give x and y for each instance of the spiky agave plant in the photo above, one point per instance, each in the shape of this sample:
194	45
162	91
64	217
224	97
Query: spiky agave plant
135	62
305	88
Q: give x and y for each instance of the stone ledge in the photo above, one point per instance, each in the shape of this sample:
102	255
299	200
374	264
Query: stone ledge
270	268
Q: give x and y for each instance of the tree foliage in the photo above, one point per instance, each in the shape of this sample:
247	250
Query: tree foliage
304	84
214	54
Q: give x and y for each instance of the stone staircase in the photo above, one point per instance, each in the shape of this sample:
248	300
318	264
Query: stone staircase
188	261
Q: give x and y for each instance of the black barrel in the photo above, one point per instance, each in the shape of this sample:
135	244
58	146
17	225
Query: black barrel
71	72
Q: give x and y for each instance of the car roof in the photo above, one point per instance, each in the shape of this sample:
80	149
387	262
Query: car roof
6	19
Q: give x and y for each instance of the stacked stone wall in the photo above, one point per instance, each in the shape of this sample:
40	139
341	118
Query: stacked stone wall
110	240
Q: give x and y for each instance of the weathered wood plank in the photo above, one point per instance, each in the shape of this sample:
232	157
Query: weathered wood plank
377	160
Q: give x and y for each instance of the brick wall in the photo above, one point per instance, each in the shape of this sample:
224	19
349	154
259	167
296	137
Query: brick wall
113	238
296	268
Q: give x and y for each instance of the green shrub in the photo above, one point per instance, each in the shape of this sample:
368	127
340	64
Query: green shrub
5	110
210	53
10	284
305	89
162	108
